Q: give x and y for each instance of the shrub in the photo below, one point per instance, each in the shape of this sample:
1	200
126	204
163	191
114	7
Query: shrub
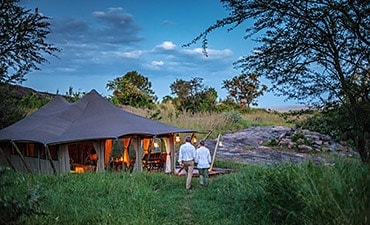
17	197
232	117
300	138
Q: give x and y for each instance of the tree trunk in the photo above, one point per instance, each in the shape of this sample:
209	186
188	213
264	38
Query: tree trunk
362	144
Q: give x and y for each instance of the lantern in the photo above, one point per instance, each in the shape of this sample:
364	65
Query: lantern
177	139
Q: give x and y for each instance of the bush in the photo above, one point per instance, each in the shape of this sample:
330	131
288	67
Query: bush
17	197
300	138
232	117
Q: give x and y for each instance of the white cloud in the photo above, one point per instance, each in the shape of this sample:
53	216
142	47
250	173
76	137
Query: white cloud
68	69
154	65
225	52
212	53
195	51
157	63
167	45
133	54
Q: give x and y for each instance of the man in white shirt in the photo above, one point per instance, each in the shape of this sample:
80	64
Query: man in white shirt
203	158
186	159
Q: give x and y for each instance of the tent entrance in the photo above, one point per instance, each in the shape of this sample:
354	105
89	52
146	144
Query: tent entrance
83	157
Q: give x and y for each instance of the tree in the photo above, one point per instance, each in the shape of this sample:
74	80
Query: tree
245	87
193	96
133	89
316	52
74	96
22	41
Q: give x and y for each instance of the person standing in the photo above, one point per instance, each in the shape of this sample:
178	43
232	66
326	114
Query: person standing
203	158
186	159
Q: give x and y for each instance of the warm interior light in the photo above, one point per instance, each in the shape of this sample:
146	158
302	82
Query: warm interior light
79	169
157	145
177	139
194	139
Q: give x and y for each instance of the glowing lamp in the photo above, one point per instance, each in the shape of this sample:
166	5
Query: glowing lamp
156	145
194	139
177	139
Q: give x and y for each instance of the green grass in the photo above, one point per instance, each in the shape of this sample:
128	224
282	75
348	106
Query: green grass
286	194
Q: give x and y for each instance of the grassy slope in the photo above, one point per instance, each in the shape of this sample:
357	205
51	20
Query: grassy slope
287	194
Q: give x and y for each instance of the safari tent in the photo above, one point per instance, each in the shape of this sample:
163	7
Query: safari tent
62	136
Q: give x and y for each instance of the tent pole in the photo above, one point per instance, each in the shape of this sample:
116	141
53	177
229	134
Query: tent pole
214	152
172	155
139	154
21	155
50	160
7	159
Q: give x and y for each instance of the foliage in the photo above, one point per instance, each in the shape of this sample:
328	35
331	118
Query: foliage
156	115
233	117
16	105
325	122
314	52
73	96
22	41
10	111
273	142
337	122
32	102
245	87
227	104
193	96
283	194
300	138
17	197
132	89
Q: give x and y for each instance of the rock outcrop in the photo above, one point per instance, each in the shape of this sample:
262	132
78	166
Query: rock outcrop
271	145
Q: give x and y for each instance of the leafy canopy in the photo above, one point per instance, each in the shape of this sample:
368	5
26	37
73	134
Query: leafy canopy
193	96
132	89
244	88
22	41
316	52
309	49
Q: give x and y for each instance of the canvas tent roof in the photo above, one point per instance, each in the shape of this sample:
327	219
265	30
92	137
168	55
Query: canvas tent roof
90	118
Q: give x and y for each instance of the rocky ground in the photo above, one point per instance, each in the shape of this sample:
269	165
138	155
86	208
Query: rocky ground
271	145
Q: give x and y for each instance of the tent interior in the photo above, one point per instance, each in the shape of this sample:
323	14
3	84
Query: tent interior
113	154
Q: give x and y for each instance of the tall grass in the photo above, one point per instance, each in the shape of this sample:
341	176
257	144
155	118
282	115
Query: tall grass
217	122
299	194
259	117
285	194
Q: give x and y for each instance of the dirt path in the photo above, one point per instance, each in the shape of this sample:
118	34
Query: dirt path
187	211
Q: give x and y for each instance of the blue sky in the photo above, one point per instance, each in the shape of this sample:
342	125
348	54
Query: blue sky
105	39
